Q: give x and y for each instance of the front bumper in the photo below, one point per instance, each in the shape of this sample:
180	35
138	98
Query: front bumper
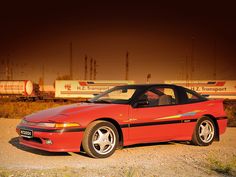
62	141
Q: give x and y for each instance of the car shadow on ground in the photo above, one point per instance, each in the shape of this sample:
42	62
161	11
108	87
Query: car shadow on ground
157	144
15	142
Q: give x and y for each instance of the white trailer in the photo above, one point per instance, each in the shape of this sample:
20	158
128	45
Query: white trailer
225	89
85	88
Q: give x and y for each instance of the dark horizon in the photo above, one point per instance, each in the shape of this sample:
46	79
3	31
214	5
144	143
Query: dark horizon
158	36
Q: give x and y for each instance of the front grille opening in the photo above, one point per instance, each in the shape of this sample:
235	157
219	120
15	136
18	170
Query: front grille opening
36	140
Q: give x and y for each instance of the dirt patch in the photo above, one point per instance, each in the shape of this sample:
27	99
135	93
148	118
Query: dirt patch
158	159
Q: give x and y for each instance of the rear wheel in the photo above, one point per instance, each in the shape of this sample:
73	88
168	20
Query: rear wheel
204	132
100	139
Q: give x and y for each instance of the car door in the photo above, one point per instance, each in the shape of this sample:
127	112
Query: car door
158	119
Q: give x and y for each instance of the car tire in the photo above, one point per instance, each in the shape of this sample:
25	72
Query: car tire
100	139
204	132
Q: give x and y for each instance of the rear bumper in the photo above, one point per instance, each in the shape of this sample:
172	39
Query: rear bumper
61	141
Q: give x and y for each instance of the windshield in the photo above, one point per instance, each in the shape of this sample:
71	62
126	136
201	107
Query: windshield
117	95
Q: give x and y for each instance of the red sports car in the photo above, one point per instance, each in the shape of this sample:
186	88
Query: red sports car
126	115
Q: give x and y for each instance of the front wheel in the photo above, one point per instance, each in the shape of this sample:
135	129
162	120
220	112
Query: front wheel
204	132
100	139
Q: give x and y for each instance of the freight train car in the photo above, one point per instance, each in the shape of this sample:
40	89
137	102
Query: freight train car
20	89
47	92
222	89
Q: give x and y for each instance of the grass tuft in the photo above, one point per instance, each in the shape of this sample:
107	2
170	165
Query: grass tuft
226	166
131	173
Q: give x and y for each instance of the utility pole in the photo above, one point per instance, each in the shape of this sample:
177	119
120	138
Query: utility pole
8	68
187	71
148	78
71	63
43	71
192	59
91	69
127	66
85	67
94	70
11	72
2	66
214	73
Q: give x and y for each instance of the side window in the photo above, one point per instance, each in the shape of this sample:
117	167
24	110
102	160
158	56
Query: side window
193	97
159	96
167	97
170	92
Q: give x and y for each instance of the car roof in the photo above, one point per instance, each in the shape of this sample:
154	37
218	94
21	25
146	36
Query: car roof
151	85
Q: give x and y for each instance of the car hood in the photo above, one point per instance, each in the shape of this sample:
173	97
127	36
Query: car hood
59	114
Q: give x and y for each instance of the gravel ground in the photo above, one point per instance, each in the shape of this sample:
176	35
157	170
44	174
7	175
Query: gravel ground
160	159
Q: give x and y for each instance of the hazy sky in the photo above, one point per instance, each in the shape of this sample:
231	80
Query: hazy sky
158	35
